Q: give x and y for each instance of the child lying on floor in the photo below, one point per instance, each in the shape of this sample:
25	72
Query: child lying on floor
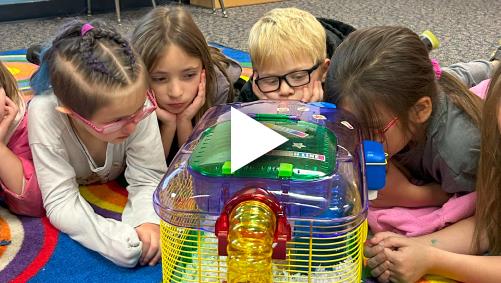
187	76
92	116
453	252
290	51
19	186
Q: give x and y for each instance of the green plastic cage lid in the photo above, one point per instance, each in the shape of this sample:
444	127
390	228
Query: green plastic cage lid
309	154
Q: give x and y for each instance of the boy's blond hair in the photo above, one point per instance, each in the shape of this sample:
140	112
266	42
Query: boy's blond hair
284	34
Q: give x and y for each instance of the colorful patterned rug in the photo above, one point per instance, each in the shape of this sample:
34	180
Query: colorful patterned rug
31	249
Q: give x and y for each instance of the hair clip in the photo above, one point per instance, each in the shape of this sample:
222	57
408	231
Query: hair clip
85	29
436	69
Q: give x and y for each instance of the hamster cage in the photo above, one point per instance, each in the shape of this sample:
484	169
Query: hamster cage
296	214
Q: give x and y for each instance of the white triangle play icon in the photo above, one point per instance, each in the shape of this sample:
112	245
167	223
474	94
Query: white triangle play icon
250	139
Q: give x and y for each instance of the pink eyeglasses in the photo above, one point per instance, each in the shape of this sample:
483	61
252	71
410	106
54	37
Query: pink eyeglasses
390	124
149	106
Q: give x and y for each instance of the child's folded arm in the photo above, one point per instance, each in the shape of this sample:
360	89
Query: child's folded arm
11	171
29	201
69	212
399	191
457	238
410	195
146	166
466	268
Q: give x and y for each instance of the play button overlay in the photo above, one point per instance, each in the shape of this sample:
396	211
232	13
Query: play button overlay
250	139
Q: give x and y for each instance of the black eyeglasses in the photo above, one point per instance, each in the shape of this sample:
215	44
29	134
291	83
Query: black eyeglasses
293	79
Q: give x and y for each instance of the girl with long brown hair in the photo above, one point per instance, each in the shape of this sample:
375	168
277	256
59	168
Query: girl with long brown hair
451	252
186	75
427	119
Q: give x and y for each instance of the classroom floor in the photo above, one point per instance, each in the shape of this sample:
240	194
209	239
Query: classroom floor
468	29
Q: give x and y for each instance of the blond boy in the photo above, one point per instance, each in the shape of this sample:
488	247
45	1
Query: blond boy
288	49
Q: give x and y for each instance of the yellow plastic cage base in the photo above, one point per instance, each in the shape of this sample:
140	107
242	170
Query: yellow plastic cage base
190	255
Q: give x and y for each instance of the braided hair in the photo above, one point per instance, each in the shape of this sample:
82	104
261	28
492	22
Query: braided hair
84	68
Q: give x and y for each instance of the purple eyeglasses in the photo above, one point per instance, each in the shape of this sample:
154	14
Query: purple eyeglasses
149	106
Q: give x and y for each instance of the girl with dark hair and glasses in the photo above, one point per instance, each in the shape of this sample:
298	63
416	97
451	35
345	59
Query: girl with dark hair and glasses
426	118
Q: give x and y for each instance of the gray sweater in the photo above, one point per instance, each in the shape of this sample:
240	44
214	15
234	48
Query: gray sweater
233	70
449	156
62	163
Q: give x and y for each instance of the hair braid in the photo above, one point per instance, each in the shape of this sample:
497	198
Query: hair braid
119	40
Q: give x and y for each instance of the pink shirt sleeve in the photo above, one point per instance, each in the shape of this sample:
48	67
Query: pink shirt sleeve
30	201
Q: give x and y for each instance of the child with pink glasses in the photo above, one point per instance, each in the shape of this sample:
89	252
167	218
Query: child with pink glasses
427	119
467	251
93	116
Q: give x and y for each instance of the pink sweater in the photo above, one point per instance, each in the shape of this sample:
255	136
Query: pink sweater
30	201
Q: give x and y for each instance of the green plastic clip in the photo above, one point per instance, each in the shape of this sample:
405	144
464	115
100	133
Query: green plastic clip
285	170
226	168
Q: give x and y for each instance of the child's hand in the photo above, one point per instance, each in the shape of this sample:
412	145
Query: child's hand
198	102
11	110
149	235
409	259
312	92
377	261
165	116
375	252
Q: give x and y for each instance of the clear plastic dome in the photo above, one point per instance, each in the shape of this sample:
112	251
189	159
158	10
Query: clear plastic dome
317	175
